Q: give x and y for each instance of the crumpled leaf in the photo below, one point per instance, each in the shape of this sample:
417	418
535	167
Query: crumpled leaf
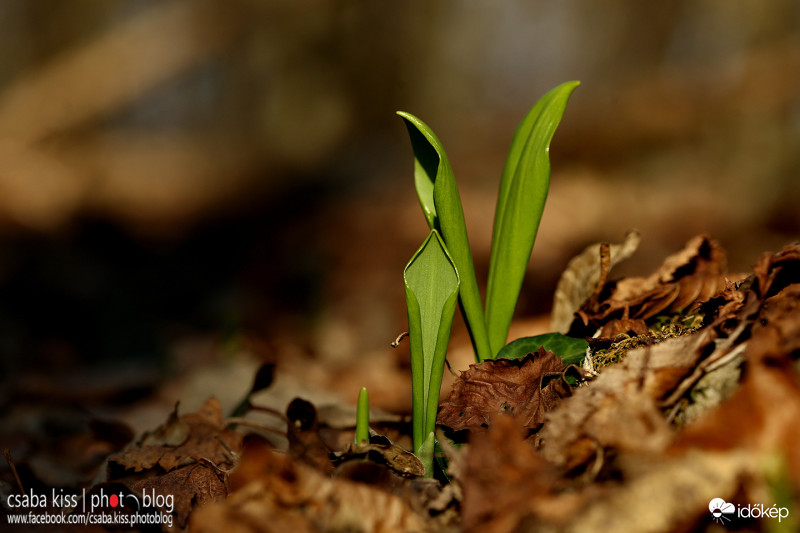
685	279
621	408
170	447
505	480
187	457
614	460
394	457
191	485
277	494
505	386
775	271
585	276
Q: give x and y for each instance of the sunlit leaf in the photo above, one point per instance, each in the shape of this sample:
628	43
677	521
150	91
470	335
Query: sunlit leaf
432	284
523	191
441	204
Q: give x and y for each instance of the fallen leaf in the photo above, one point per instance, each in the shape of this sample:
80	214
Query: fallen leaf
506	480
189	486
289	496
585	275
394	457
191	471
207	438
620	410
685	279
515	386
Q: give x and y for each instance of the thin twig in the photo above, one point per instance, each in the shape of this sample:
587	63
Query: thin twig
13	470
255	425
395	343
268	410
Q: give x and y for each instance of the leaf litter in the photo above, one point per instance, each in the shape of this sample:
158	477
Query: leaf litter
642	444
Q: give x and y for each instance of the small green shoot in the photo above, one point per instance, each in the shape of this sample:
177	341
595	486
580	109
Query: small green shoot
432	285
362	417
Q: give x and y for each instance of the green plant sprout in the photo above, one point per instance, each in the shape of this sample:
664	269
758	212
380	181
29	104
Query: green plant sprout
442	271
523	191
362	417
432	285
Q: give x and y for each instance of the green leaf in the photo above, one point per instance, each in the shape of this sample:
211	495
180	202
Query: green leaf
432	285
362	417
441	204
523	191
571	350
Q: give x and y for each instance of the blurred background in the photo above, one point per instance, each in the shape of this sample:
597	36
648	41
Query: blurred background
190	188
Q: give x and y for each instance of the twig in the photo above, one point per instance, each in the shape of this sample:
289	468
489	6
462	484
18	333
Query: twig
13	470
268	410
255	425
395	343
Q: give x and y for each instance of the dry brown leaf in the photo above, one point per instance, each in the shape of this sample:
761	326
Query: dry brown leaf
392	456
187	458
189	486
287	496
774	271
207	439
685	279
620	410
585	275
507	481
762	415
505	386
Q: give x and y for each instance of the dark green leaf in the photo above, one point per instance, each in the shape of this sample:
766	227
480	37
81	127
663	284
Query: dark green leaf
569	349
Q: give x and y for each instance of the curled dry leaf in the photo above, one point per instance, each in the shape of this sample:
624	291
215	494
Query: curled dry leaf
775	271
515	386
685	279
585	276
397	459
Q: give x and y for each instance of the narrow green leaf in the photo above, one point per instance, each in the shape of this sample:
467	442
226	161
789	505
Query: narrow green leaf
431	284
523	191
441	204
571	350
362	417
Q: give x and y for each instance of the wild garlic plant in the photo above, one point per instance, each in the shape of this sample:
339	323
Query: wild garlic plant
442	271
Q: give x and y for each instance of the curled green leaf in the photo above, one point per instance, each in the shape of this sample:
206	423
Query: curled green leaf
441	204
431	286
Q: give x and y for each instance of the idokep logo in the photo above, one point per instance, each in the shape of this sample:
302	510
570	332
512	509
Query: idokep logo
719	508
